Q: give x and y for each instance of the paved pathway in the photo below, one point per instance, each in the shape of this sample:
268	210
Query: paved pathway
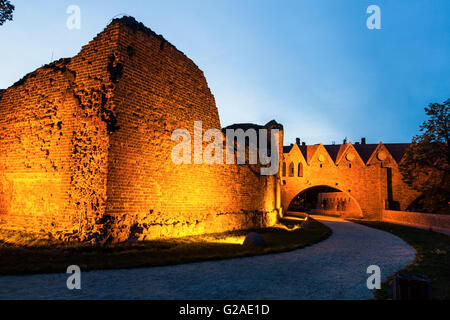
332	269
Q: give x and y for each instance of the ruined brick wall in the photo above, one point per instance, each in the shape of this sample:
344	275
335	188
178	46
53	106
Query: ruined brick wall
35	153
161	90
85	146
54	132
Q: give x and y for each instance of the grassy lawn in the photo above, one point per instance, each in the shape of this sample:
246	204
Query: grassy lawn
45	256
432	260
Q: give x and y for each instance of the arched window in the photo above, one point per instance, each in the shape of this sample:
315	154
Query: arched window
300	169
284	169
291	169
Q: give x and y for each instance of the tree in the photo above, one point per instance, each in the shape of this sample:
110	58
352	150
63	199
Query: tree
425	166
6	11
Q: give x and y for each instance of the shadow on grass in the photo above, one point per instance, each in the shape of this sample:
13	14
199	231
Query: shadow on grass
46	256
432	259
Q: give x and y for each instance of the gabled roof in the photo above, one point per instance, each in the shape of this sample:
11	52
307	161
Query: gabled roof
365	150
302	148
345	150
308	151
335	150
296	153
397	150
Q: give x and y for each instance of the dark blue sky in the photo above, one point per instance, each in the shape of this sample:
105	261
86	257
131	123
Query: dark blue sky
312	65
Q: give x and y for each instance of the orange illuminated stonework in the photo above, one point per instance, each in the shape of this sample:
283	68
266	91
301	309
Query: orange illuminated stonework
85	148
85	151
366	175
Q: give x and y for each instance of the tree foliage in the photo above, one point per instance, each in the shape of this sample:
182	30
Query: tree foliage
6	11
425	166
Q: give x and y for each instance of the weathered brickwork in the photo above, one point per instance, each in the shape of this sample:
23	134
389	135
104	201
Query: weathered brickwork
367	174
85	152
337	203
55	125
85	148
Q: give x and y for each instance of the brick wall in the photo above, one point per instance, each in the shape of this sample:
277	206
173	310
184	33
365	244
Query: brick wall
85	144
337	203
162	90
366	181
418	219
54	142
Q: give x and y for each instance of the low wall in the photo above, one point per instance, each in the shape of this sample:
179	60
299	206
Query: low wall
326	212
336	213
423	220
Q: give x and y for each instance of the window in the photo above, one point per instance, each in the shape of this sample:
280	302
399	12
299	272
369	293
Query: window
300	170
291	169
284	169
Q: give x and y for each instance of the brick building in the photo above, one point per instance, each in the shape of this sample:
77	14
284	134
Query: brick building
366	177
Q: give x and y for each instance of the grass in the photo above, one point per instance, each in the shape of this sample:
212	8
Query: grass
432	260
36	255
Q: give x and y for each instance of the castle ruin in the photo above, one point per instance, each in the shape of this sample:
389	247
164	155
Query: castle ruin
85	151
85	147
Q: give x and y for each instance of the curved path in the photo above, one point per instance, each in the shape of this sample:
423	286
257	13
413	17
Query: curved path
332	269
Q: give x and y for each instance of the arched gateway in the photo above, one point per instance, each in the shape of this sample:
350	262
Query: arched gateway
357	180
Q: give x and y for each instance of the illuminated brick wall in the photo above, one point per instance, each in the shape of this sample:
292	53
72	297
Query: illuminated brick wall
54	141
372	179
85	144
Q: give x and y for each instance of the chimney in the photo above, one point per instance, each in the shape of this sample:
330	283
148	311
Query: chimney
297	141
303	143
363	140
291	144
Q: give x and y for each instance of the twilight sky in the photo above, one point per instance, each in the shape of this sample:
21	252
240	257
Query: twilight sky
312	65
